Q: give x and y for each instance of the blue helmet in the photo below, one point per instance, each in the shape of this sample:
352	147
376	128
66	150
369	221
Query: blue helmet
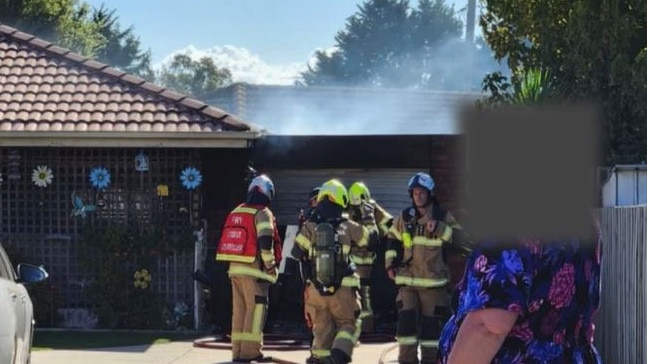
422	180
264	185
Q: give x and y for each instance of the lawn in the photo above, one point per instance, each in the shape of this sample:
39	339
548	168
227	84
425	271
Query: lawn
70	340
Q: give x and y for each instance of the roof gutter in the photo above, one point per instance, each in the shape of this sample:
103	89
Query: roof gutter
224	139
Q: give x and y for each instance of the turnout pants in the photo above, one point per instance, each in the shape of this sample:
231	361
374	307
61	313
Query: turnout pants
249	301
419	322
368	322
335	322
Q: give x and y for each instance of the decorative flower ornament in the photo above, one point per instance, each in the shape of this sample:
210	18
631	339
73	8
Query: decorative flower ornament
42	176
191	178
100	178
142	279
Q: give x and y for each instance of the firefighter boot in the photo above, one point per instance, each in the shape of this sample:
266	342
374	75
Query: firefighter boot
336	357
430	328
368	323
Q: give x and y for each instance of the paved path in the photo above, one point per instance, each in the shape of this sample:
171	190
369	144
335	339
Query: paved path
185	353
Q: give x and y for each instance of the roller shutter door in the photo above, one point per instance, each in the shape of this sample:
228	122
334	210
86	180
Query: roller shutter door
387	186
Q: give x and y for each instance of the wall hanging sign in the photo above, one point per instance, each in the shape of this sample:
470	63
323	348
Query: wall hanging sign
141	162
162	190
14	165
79	208
191	178
42	176
100	178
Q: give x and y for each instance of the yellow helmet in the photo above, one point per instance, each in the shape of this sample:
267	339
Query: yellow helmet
335	192
358	192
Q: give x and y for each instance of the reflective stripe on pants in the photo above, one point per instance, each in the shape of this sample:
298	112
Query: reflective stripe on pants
249	302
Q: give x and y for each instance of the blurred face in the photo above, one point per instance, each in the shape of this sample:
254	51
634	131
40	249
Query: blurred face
313	202
420	197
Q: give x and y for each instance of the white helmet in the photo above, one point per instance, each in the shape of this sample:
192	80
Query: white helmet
262	184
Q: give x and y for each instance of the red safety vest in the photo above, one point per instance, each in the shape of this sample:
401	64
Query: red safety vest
238	241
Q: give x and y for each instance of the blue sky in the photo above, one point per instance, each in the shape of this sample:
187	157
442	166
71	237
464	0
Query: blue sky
264	41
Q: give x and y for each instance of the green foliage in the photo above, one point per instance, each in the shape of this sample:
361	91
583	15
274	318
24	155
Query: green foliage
114	258
526	87
122	49
195	78
593	49
65	22
389	43
73	24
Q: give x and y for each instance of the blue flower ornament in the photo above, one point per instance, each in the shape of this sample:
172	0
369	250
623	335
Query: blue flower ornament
191	178
100	178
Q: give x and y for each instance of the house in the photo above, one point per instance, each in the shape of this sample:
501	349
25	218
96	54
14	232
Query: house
381	137
626	185
64	116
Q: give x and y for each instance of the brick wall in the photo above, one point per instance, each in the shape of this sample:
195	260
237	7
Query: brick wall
445	168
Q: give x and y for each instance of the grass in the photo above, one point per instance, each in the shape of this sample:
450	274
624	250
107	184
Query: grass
71	340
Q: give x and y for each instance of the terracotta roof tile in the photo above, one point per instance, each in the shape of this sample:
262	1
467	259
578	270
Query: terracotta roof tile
48	88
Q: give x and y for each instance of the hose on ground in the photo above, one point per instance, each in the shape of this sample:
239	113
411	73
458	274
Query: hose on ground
274	342
386	352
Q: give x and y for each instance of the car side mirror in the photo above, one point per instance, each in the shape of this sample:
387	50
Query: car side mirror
28	273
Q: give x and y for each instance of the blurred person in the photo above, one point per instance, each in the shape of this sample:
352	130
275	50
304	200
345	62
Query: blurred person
528	302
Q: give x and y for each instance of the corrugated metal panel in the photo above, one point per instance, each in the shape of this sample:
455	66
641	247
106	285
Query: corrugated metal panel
287	110
388	187
631	188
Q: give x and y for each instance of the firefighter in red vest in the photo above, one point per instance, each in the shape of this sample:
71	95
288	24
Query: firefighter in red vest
251	245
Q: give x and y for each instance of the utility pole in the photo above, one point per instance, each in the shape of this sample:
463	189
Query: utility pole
470	24
471	21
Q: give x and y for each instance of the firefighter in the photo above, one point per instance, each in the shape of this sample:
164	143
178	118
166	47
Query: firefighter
312	203
376	218
332	302
303	217
414	260
250	244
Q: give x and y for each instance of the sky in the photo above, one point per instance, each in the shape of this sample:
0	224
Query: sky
259	41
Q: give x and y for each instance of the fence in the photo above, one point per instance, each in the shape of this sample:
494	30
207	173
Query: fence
622	320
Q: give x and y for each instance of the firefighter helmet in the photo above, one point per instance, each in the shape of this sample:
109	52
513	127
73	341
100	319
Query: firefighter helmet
264	185
335	192
358	192
314	193
421	180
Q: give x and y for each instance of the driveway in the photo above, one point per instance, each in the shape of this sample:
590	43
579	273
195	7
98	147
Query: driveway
185	353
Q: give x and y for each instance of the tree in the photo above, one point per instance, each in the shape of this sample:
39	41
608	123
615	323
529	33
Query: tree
594	50
73	24
121	48
65	22
387	43
195	78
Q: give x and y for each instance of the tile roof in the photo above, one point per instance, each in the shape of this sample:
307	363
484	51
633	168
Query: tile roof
318	110
46	88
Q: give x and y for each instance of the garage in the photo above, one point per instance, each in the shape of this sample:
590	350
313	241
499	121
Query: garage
388	187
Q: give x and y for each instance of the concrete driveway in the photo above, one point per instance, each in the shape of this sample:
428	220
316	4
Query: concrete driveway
185	353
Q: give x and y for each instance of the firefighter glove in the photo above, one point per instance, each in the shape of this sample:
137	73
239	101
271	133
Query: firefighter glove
368	212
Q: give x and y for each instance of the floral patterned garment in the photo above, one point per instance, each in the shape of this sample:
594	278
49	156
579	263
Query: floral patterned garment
555	288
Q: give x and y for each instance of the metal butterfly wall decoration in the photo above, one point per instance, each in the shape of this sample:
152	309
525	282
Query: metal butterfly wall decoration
79	208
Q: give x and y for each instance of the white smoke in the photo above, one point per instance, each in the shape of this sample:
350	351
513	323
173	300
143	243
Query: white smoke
243	65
